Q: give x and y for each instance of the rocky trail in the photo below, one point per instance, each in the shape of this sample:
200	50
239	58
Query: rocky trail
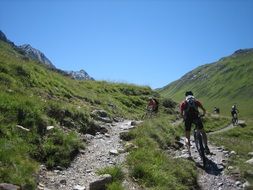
102	150
213	177
107	149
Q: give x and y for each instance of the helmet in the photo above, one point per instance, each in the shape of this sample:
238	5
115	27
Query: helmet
188	93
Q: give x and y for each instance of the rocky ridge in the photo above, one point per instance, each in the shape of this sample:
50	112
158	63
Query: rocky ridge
79	75
35	54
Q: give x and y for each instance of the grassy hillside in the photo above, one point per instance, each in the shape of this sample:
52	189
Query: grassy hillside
221	84
35	97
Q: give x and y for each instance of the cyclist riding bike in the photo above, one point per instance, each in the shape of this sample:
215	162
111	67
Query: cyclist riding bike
234	113
152	106
191	115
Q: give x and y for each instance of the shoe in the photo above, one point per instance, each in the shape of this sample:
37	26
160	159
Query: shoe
207	151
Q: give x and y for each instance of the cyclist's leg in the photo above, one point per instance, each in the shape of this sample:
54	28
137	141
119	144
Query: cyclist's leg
188	124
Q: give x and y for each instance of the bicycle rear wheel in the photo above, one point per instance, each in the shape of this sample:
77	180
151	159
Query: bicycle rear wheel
200	147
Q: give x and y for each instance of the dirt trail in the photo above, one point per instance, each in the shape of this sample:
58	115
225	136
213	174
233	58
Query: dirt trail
212	177
231	126
101	151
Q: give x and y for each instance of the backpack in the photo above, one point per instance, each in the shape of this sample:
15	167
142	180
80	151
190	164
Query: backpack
191	107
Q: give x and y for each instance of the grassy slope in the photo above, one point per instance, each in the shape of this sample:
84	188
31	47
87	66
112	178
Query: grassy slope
220	84
35	97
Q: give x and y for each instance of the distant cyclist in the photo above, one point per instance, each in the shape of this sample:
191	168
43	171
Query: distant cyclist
190	113
152	105
234	113
216	110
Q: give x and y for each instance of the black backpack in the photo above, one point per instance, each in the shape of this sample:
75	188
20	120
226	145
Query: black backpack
191	108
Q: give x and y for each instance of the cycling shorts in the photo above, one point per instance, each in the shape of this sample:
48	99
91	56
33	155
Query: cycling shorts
189	121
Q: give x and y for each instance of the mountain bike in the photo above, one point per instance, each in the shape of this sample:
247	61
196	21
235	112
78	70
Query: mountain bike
199	142
235	119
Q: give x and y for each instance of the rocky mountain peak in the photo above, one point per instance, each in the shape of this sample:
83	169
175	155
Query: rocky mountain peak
2	36
80	75
5	39
36	54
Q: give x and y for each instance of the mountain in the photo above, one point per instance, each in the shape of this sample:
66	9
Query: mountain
35	54
79	75
221	84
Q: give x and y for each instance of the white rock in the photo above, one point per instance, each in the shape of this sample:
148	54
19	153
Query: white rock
250	153
250	161
50	128
114	152
79	187
238	183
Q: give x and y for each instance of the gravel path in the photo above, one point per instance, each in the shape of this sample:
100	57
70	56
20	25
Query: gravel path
101	151
229	127
213	177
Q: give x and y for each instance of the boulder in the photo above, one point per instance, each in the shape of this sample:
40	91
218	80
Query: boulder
99	113
7	186
126	136
114	152
101	182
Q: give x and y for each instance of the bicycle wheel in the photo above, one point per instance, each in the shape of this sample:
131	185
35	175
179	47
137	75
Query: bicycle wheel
200	147
202	150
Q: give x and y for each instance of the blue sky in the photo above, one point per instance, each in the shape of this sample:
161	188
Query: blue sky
145	42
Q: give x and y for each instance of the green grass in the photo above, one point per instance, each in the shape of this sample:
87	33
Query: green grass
117	177
241	141
35	97
16	165
219	84
151	165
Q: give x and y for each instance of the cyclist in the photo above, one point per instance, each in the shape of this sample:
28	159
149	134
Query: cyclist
152	105
216	110
234	112
190	113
